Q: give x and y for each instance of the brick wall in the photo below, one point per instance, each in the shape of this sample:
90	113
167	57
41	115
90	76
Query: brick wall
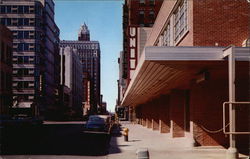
219	21
206	99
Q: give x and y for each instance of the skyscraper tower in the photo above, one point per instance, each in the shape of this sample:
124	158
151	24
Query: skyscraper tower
89	53
83	34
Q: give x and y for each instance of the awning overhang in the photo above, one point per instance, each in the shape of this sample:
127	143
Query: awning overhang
161	69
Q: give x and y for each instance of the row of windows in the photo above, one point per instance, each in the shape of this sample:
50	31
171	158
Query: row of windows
180	26
94	47
23	72
180	22
21	22
23	97
143	2
27	35
23	84
20	9
23	59
141	19
26	47
6	52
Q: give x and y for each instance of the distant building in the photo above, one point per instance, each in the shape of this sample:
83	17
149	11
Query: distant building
89	53
5	70
35	54
71	77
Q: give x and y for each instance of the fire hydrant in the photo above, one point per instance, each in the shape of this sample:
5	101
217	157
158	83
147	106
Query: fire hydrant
125	133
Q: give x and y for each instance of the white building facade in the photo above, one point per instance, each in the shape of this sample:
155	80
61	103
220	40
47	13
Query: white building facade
71	76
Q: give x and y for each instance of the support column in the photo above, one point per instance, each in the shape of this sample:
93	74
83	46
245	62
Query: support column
155	112
177	108
164	122
232	152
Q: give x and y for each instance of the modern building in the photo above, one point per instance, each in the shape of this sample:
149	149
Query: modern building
89	53
185	73
35	54
71	77
5	70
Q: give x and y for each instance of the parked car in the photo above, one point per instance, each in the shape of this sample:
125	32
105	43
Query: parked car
98	123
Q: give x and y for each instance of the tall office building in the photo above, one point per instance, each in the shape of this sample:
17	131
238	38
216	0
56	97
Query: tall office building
35	54
89	53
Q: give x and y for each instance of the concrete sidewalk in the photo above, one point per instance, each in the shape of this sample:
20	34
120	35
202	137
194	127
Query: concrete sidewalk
160	146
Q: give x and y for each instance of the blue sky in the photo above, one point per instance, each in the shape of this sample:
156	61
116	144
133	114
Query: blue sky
104	19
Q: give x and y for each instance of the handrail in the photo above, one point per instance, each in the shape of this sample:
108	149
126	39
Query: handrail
224	118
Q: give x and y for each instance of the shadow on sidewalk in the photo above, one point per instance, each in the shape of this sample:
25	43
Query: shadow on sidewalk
53	139
114	146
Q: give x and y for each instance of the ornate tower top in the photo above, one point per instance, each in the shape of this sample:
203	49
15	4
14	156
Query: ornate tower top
83	34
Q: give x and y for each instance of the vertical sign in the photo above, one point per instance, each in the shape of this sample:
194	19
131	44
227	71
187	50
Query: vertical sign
132	51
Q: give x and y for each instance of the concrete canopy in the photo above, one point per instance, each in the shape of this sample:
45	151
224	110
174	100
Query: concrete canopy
161	69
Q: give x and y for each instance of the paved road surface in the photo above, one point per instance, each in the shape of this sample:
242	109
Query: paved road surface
64	140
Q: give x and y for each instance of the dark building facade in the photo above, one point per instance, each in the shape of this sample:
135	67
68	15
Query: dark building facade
89	53
5	70
36	58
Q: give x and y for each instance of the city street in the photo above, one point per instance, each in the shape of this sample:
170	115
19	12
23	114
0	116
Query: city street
52	139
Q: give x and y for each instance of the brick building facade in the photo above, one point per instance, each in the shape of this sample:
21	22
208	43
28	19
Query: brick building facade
181	79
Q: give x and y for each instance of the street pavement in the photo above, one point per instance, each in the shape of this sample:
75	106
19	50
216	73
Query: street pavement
52	140
67	140
159	146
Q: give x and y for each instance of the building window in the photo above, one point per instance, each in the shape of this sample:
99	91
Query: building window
152	15
8	9
141	17
166	36
142	2
151	2
20	9
2	9
180	20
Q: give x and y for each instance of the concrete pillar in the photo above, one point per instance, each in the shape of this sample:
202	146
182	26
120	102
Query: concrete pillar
144	122
149	123
155	124
177	108
164	122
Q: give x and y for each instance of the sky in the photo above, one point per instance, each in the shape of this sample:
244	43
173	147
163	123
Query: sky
104	20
